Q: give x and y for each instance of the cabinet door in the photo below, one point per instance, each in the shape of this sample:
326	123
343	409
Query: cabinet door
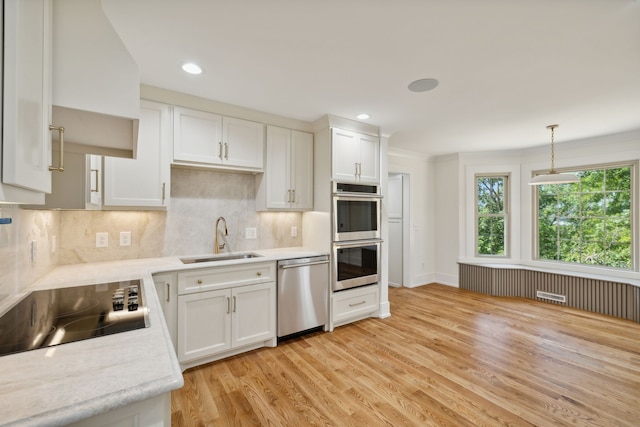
167	290
26	142
197	136
278	173
302	170
243	143
369	159
150	171
203	324
346	154
253	313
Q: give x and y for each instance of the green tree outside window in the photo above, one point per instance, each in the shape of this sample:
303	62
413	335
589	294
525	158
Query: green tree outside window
491	216
587	222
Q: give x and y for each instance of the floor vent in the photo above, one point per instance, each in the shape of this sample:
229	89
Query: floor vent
550	296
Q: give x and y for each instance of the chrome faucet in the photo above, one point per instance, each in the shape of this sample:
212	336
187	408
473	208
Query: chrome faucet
225	232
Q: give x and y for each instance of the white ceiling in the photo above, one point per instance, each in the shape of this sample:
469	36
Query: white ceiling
507	68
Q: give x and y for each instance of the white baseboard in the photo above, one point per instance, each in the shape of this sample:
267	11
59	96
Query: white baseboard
447	280
423	279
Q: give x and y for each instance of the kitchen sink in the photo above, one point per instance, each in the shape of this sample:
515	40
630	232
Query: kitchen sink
215	258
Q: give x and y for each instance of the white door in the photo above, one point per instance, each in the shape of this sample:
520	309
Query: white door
369	168
395	215
277	175
197	136
243	143
203	324
150	169
27	92
346	155
302	169
253	314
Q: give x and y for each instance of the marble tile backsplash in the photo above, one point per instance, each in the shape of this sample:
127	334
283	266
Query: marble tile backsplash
198	198
26	247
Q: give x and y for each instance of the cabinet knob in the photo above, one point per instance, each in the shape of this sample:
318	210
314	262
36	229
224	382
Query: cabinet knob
259	273
199	281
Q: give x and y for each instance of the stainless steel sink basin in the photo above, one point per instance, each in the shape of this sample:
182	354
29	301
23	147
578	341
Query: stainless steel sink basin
215	258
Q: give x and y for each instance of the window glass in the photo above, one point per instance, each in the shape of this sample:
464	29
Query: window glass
491	216
588	222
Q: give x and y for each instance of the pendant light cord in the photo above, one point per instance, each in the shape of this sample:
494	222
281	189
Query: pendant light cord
553	154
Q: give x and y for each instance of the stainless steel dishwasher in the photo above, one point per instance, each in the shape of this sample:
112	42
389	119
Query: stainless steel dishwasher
303	294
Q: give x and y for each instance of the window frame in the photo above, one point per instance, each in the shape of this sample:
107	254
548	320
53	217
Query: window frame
634	207
506	215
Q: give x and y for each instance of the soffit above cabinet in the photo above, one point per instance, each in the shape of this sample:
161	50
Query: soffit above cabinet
96	82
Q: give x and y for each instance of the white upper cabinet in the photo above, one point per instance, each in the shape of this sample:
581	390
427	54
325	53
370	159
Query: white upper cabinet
243	143
143	181
96	82
356	157
287	183
26	141
209	140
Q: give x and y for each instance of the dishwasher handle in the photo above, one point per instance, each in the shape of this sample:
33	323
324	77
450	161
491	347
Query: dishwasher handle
284	267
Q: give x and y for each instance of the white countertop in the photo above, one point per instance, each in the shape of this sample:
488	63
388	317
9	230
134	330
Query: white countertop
66	383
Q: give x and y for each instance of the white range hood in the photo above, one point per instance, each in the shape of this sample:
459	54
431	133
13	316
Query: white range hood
96	82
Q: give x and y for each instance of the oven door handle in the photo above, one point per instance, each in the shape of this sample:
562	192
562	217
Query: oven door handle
355	244
346	196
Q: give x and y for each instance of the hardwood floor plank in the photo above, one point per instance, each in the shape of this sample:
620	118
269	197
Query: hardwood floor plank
446	357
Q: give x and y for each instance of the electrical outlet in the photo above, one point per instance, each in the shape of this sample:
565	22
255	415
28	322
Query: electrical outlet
102	240
294	231
250	233
125	238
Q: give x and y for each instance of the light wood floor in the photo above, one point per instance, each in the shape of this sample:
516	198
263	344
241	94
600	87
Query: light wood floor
446	357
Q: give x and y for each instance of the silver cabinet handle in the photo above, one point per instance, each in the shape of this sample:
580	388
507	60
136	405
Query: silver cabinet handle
228	305
220	150
60	167
168	291
226	151
234	304
293	199
356	165
357	303
288	196
96	190
164	186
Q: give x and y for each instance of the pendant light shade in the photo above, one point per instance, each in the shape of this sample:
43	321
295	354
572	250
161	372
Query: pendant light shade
553	177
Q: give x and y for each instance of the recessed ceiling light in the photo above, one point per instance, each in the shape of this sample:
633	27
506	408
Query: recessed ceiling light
363	116
423	85
192	68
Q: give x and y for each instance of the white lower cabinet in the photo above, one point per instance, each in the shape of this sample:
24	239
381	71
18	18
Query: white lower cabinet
234	311
152	412
354	304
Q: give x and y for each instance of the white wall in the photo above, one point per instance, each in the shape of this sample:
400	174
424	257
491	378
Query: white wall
447	219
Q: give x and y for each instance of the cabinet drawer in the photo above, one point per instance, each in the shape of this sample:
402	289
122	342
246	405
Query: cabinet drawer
205	279
355	303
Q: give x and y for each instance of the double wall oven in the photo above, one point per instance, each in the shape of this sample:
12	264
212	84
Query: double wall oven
356	235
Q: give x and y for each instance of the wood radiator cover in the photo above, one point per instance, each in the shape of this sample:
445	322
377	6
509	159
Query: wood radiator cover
600	296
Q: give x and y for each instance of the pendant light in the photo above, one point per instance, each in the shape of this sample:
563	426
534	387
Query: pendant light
553	177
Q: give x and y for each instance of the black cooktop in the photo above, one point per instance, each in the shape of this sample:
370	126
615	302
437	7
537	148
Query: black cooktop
51	317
